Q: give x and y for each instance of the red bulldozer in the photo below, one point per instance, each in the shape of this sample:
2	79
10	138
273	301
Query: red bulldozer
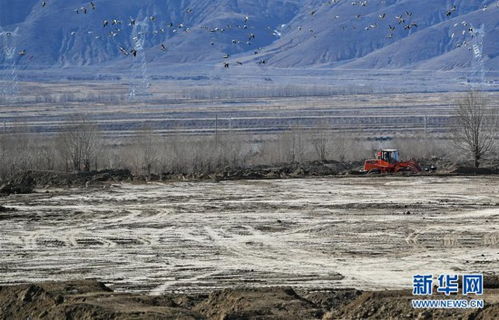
388	161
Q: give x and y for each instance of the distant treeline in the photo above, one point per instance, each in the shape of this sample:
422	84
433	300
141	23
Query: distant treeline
81	146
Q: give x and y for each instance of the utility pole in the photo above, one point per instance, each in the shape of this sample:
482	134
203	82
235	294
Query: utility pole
477	75
426	124
216	130
139	82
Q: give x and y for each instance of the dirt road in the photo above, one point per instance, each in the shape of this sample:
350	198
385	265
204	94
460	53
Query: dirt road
368	233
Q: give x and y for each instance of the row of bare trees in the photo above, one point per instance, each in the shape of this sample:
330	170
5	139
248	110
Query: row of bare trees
81	146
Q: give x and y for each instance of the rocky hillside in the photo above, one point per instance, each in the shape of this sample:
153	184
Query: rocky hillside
396	34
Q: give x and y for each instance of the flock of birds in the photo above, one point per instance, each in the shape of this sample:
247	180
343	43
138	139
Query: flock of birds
403	21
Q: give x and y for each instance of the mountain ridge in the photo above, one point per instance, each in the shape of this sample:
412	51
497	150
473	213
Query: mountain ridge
275	33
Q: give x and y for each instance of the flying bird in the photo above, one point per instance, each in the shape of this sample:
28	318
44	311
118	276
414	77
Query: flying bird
124	51
450	11
410	26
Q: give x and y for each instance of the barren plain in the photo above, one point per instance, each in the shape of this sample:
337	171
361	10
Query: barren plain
370	233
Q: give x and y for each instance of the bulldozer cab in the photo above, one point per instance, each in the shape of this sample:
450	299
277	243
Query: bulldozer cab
388	155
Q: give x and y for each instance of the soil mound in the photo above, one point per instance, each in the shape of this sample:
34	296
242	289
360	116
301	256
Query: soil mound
393	305
84	300
472	170
281	171
93	300
28	181
61	179
272	303
21	184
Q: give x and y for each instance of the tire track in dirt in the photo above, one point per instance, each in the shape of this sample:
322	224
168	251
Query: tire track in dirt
303	232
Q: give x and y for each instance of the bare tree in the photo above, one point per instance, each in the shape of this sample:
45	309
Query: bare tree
146	146
320	141
340	144
291	145
79	143
476	126
179	155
